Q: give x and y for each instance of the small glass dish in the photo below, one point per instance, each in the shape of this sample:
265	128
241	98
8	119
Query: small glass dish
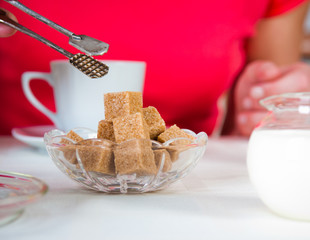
16	192
73	159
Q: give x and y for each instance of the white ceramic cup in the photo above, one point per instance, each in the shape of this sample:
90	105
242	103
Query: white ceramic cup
78	98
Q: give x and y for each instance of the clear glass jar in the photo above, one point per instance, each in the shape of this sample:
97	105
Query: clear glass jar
278	157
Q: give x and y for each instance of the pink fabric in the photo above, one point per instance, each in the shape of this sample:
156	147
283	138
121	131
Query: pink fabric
193	50
277	7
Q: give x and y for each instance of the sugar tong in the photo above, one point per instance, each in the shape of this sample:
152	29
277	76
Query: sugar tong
91	46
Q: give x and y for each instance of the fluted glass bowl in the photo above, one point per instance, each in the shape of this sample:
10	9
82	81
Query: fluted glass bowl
17	191
76	161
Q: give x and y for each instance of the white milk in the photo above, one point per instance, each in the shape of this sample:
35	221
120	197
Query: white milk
279	167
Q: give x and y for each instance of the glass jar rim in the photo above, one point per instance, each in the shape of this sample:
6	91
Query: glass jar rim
299	101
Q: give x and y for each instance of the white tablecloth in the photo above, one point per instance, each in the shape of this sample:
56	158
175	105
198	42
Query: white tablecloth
215	201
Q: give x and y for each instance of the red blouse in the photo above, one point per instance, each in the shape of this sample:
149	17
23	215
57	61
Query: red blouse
193	50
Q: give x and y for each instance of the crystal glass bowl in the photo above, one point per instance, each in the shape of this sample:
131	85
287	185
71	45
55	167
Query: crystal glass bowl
16	192
73	159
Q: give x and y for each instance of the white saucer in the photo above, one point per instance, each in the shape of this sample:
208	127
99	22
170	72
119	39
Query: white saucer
33	136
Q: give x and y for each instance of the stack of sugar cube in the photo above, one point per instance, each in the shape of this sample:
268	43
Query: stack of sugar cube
125	133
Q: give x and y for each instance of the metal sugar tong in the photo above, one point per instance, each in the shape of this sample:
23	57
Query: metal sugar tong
91	46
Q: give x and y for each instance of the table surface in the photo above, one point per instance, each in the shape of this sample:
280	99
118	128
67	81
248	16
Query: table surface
215	201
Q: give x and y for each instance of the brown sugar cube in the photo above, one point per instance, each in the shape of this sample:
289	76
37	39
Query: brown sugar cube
175	150
97	156
105	130
159	154
154	121
72	135
132	126
97	142
135	156
178	146
175	132
121	104
69	151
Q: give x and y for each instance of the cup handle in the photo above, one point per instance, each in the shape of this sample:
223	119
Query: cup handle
26	79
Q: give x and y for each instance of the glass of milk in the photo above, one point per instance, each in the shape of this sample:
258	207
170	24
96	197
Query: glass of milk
278	156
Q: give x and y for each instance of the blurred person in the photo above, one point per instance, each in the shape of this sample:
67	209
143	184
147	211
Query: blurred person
195	51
